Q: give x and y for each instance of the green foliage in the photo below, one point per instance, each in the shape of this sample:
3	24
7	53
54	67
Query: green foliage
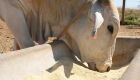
130	22
132	16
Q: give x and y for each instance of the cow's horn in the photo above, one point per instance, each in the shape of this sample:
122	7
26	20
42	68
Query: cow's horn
98	22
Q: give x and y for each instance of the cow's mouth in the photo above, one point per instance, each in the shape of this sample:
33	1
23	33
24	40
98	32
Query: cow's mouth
99	67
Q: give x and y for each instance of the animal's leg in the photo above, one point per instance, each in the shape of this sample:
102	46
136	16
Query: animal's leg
15	20
16	46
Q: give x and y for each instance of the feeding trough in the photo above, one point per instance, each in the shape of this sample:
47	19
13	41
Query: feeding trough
126	48
132	73
55	61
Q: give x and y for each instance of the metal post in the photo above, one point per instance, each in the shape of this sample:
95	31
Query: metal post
123	12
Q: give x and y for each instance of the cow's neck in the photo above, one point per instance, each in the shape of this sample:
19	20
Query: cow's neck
60	12
54	13
71	43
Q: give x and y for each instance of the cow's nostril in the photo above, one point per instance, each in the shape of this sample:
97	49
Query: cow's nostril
108	69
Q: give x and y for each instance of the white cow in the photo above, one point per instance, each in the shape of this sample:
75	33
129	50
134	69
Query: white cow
36	20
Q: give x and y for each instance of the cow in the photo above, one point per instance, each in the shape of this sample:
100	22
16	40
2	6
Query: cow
91	36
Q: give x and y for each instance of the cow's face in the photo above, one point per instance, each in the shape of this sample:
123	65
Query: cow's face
95	36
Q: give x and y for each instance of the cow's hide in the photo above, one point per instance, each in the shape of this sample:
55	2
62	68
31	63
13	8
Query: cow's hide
40	15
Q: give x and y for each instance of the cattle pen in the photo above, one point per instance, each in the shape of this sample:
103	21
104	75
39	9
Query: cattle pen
6	45
55	61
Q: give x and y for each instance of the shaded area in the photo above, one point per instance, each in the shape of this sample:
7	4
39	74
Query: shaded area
67	65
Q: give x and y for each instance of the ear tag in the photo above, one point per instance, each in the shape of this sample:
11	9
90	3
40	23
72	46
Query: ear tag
94	35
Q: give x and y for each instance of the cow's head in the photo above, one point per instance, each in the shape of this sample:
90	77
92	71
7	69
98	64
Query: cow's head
94	34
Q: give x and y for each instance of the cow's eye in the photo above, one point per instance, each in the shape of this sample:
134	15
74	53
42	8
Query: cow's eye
110	28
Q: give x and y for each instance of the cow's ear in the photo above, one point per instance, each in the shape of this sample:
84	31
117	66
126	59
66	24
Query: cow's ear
110	28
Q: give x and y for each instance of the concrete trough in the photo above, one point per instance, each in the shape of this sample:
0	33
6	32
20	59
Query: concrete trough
54	62
133	71
125	50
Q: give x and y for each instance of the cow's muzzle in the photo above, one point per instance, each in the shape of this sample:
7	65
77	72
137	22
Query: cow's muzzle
99	67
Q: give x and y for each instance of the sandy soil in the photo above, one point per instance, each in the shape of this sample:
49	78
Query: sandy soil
6	38
6	44
129	30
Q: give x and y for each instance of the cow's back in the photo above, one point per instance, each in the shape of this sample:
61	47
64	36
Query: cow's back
41	15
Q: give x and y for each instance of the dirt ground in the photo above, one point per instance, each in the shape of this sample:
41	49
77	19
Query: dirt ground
6	45
6	38
129	30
